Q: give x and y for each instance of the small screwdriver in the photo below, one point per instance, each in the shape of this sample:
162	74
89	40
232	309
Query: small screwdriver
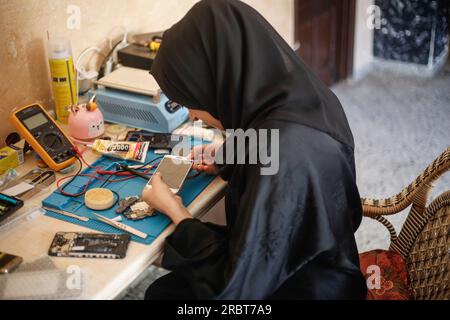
123	167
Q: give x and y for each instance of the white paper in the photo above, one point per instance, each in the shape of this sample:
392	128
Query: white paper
18	189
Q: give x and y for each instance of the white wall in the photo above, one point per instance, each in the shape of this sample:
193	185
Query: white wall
24	75
363	50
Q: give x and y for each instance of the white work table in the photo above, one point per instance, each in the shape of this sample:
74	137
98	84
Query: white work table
103	278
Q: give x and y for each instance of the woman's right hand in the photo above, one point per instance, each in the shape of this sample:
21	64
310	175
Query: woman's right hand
203	157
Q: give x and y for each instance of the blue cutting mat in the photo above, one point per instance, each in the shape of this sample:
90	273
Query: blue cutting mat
153	226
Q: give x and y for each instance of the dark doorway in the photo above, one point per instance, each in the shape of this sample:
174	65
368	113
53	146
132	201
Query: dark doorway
324	30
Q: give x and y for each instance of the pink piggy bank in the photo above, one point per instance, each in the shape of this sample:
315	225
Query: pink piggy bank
86	122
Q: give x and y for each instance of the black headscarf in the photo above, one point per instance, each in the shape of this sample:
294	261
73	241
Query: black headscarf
225	58
290	233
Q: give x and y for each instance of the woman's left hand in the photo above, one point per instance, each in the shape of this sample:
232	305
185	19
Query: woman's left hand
165	201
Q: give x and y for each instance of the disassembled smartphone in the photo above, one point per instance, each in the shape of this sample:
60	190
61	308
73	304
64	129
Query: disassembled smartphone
89	245
174	170
9	262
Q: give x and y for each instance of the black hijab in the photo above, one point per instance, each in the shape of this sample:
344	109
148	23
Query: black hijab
223	57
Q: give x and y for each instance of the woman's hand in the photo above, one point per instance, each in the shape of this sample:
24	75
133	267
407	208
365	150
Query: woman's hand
159	197
203	157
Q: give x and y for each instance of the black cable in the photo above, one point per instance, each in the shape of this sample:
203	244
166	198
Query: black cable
148	163
73	178
101	71
115	192
120	171
117	197
107	180
103	185
196	175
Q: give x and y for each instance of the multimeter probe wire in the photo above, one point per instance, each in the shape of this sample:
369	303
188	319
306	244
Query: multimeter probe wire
98	174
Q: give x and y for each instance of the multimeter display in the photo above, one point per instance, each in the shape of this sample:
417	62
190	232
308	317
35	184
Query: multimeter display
44	135
35	121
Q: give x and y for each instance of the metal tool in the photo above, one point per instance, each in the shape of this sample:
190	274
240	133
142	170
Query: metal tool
122	167
121	226
67	214
36	179
43	180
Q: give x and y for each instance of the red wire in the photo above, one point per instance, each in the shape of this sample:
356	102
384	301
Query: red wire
92	176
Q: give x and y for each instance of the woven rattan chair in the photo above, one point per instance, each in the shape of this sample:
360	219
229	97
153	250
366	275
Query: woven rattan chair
424	240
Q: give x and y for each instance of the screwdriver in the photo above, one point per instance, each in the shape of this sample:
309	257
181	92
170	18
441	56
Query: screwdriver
122	167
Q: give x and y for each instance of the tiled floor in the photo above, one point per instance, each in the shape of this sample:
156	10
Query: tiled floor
400	124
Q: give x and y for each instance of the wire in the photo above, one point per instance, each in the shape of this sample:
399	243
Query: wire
83	53
149	163
117	197
78	68
113	191
73	178
100	171
101	71
196	175
125	34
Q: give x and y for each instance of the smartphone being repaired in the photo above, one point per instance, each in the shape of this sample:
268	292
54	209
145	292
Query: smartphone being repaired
173	170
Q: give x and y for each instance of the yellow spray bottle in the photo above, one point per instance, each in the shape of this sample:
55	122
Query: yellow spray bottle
64	82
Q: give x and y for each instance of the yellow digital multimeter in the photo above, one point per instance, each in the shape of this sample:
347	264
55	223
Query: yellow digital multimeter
44	135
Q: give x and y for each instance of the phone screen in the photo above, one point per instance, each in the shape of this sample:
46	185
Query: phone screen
174	171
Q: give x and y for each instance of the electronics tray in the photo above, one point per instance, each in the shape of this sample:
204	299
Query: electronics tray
152	226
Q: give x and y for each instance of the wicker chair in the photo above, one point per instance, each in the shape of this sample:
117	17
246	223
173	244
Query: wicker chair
424	240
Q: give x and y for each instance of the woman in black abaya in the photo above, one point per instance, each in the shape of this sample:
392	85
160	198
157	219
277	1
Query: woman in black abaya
289	235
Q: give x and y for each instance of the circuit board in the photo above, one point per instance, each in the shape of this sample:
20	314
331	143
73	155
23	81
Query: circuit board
89	245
